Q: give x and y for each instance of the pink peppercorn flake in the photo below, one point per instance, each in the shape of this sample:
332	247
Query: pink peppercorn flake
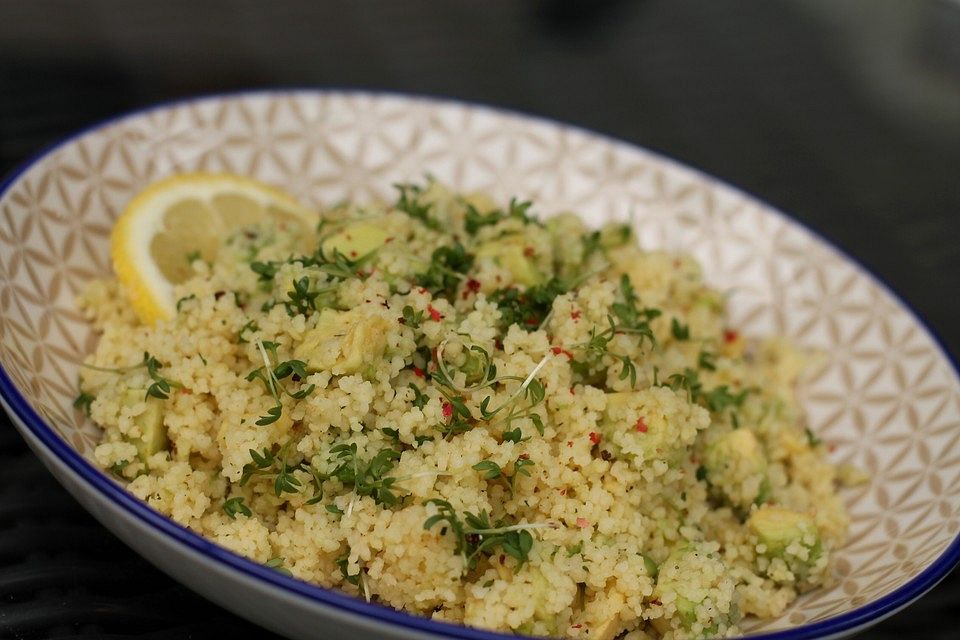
595	437
641	425
447	410
583	523
558	350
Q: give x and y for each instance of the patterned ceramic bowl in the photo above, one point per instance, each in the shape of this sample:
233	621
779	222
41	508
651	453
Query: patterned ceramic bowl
887	398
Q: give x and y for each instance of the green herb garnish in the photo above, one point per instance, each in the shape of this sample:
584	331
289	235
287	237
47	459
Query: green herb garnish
83	402
412	319
233	506
679	331
409	201
448	264
475	534
518	210
527	309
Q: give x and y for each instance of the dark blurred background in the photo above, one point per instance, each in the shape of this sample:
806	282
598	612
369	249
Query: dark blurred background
844	113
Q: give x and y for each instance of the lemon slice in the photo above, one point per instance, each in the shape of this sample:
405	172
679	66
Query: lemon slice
185	215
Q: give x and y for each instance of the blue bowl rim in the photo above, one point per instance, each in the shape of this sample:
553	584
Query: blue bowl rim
850	621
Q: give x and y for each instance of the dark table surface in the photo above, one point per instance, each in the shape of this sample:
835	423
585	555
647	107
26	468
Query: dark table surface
845	114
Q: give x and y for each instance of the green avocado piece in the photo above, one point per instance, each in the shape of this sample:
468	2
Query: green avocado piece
778	528
687	610
343	342
615	234
355	240
731	460
509	252
153	435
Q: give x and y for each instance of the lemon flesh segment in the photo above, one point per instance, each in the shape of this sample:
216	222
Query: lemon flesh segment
184	216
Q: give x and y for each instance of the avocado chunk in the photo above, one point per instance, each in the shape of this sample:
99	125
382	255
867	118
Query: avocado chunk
539	589
615	234
611	626
567	233
692	575
792	548
355	240
343	342
737	468
651	424
510	253
777	528
153	435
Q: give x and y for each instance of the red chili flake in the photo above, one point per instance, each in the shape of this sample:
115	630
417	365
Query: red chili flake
524	456
641	425
577	626
473	285
575	315
353	253
498	344
447	410
583	523
532	321
569	443
529	252
185	391
656	602
730	336
558	350
435	315
417	371
594	437
422	290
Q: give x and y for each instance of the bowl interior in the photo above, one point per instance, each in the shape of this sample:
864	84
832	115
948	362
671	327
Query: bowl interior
886	398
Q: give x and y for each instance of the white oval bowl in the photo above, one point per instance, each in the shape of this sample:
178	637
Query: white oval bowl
887	398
